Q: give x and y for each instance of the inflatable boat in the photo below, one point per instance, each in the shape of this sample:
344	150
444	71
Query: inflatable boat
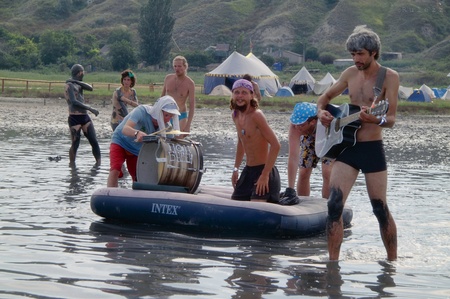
211	210
168	193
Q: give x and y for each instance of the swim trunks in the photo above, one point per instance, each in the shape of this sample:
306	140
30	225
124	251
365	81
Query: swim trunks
366	156
308	158
78	119
183	115
246	185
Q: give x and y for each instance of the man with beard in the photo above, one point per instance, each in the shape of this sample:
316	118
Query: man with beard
79	120
181	87
367	154
260	180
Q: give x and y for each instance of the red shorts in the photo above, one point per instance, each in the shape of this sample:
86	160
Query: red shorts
118	155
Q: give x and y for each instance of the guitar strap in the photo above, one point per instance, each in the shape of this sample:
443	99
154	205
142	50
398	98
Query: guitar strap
380	80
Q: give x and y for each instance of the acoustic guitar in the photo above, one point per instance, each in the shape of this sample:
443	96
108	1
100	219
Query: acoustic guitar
332	140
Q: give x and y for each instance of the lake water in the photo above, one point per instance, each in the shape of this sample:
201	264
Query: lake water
54	246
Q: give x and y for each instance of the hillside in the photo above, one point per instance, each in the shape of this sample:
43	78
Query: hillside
413	27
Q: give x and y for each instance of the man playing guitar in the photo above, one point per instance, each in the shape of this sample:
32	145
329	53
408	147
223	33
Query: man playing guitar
367	154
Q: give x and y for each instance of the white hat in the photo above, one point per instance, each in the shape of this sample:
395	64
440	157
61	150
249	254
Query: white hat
171	108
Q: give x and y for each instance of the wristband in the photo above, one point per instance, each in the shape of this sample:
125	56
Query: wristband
383	121
235	169
135	134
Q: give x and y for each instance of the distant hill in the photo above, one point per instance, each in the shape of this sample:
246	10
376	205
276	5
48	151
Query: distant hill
413	27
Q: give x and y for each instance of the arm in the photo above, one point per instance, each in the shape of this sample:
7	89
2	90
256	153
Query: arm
391	85
130	131
294	155
75	102
262	185
118	103
336	89
163	92
187	128
132	102
237	161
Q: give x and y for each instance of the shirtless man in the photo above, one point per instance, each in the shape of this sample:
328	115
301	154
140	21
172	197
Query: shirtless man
367	154
78	119
260	180
181	88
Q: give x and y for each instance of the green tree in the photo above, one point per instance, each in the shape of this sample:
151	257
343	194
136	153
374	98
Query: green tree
155	31
119	34
17	51
56	44
122	55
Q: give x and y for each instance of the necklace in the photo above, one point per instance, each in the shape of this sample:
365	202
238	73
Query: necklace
178	83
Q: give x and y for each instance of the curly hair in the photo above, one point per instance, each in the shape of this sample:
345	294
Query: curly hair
364	38
130	74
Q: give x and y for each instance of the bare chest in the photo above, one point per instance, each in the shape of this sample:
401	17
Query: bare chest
361	91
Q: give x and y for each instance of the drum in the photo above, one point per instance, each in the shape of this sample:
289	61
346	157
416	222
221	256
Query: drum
166	161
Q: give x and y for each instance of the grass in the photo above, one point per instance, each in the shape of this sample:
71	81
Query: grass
149	87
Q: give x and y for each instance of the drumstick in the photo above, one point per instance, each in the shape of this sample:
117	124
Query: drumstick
160	131
177	132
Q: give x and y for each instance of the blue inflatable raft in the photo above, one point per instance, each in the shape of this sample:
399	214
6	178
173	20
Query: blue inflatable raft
211	209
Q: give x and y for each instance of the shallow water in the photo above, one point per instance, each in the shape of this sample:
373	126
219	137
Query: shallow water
54	246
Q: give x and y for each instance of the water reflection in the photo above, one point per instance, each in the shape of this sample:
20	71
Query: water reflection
53	246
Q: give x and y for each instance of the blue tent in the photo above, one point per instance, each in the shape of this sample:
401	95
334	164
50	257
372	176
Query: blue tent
419	96
284	91
439	92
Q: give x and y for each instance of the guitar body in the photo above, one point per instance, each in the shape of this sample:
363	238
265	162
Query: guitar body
331	141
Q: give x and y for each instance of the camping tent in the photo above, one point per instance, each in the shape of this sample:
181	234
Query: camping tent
404	92
302	82
427	90
235	67
419	96
220	90
284	91
322	85
446	95
439	92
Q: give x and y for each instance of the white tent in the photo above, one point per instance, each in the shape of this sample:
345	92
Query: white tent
428	90
302	82
265	82
446	95
220	90
322	85
235	67
404	92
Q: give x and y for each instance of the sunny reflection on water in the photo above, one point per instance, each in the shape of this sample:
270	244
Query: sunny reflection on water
53	246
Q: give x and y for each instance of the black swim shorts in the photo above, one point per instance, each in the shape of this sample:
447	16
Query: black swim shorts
366	156
246	185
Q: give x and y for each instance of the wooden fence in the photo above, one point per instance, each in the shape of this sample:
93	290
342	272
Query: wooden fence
28	87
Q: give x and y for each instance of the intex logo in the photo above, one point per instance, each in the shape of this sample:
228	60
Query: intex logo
164	209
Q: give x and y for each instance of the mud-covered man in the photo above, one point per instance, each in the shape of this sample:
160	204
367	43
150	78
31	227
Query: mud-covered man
79	119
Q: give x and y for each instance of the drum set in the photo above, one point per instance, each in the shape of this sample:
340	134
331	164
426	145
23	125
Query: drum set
170	161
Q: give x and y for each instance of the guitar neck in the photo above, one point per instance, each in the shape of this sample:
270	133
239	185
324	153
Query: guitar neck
349	119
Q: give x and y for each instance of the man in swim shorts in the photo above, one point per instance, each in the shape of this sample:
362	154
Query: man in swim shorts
367	154
181	87
260	180
78	119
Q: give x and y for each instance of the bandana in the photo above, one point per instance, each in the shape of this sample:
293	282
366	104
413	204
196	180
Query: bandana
242	83
303	111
